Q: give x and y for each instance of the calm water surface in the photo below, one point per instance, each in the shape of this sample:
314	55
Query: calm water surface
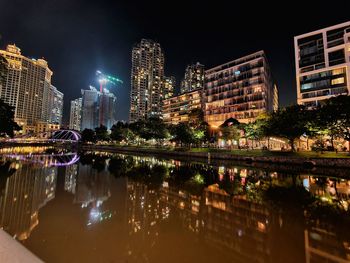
99	207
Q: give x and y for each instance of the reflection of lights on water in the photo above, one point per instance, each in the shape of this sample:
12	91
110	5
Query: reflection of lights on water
261	226
96	216
306	184
315	236
240	232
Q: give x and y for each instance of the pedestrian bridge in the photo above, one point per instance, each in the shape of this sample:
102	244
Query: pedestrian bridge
48	137
46	160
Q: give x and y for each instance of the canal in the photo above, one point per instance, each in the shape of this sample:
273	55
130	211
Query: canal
102	207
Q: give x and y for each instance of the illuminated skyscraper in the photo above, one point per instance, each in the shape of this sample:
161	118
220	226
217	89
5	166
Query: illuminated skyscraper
89	109
194	78
107	109
27	83
75	114
98	108
147	76
52	105
169	87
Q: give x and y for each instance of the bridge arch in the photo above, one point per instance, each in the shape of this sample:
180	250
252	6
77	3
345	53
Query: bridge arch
67	135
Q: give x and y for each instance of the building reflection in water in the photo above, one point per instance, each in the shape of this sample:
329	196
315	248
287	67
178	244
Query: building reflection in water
91	188
241	211
22	194
238	220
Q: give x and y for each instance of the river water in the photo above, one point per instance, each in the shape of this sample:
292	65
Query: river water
101	207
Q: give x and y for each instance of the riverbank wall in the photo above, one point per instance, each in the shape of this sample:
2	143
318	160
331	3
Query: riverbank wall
285	160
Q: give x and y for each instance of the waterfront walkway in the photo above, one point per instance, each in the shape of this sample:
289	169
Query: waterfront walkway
11	251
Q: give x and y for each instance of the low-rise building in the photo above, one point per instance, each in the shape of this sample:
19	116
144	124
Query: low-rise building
42	127
177	108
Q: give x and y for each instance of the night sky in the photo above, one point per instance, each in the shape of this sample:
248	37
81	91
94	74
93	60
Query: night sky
79	37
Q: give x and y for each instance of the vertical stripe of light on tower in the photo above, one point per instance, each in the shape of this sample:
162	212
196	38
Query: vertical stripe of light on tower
104	79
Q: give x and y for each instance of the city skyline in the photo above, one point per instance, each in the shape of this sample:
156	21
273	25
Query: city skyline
81	45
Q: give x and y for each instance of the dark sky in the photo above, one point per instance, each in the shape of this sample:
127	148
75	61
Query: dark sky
78	37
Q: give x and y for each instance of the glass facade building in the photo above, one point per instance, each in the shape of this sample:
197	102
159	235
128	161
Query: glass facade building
98	108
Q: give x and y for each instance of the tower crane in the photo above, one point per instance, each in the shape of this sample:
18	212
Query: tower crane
104	79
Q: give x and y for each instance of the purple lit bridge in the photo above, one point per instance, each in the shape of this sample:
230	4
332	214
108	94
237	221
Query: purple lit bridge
60	136
47	160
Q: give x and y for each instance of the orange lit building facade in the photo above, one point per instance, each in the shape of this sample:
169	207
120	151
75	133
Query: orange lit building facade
240	89
177	108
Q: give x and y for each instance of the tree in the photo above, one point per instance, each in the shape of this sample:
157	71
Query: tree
290	123
101	133
196	118
230	133
255	130
7	123
339	121
152	128
3	70
121	132
201	133
182	133
88	135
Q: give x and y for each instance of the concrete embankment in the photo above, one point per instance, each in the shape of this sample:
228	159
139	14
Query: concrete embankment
11	251
286	160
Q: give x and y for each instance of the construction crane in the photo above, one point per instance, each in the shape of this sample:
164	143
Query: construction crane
105	79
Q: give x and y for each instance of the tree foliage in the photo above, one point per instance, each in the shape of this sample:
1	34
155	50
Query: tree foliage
88	135
7	123
289	123
101	133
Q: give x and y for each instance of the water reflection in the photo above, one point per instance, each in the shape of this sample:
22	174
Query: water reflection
90	188
219	212
24	190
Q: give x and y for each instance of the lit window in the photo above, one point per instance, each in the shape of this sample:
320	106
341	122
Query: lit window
338	81
306	86
337	71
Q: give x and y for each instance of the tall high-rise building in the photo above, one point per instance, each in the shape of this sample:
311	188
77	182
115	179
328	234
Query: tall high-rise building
194	78
25	83
169	87
147	76
27	87
98	108
75	114
107	109
52	105
240	89
322	63
89	109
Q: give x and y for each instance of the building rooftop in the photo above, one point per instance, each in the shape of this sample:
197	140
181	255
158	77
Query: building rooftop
236	62
345	24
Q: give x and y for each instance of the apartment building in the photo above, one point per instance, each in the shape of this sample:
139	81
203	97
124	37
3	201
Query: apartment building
322	64
242	89
147	80
177	108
